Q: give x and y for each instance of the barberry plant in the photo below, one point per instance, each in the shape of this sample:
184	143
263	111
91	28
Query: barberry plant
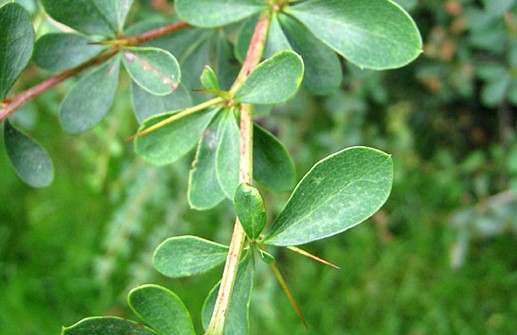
196	83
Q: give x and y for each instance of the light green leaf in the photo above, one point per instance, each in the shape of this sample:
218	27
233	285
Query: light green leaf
375	34
184	256
237	317
215	13
227	155
30	161
276	39
250	210
272	165
338	193
108	325
170	142
153	69
204	191
161	309
90	98
209	79
16	44
115	11
273	81
61	51
266	257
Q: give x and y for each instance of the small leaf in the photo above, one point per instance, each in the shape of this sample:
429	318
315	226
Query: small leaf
272	165
237	317
187	256
209	79
375	34
153	69
266	257
250	209
276	39
90	98
60	51
16	44
107	325
170	142
228	155
273	81
338	193
215	13
115	12
30	161
161	309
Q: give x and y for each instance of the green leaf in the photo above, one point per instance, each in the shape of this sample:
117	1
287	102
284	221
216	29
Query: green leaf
273	81
272	165
109	325
228	155
115	11
161	309
82	15
237	317
16	44
209	79
276	39
243	38
215	13
266	257
323	73
153	69
90	98
61	51
204	191
375	34
170	142
30	161
250	209
184	256
338	193
146	104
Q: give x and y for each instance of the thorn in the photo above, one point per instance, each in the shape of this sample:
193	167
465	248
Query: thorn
316	258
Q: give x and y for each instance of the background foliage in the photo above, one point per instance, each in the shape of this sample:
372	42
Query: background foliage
438	259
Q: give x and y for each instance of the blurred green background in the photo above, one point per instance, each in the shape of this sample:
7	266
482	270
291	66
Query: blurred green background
439	258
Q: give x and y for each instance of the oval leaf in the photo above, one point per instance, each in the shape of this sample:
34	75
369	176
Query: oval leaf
153	69
115	11
108	325
161	309
16	44
31	162
250	209
90	98
214	13
273	81
187	256
338	193
228	155
375	34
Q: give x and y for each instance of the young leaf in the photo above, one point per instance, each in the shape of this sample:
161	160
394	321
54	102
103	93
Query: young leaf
31	162
16	44
273	81
161	309
90	98
209	79
170	142
266	257
153	69
107	325
215	13
204	191
272	165
227	155
250	209
375	34
187	256
115	11
237	322
338	193
62	51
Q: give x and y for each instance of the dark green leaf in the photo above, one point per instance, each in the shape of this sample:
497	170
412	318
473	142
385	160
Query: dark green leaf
266	257
209	79
273	81
227	155
243	39
161	309
272	165
338	193
108	325
16	44
250	209
276	39
31	162
115	11
89	100
153	69
184	256
375	34
170	142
